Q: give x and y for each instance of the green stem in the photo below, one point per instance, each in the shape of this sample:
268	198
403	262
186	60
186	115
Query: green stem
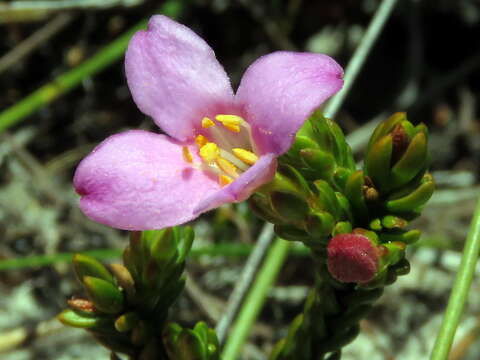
66	82
459	293
256	298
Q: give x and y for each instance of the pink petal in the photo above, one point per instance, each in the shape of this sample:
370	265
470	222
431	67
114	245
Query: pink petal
280	90
262	172
174	77
138	180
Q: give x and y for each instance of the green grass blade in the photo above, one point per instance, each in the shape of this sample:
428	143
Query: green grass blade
256	298
230	250
71	79
458	296
45	260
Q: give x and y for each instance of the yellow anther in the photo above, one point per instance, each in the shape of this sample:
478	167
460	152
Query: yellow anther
246	156
201	140
234	128
209	152
229	119
187	156
224	180
207	122
230	122
227	166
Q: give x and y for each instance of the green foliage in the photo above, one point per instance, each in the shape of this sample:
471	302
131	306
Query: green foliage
127	306
321	152
200	343
318	193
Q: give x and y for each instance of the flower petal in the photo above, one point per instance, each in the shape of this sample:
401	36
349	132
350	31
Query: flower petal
280	90
174	77
260	173
138	180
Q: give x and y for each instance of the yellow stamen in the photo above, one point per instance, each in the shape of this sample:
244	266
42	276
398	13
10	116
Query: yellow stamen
233	128
230	122
207	122
246	156
187	156
227	166
201	140
229	119
224	180
209	152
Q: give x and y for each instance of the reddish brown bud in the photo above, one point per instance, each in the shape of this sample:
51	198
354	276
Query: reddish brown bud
400	142
352	258
81	305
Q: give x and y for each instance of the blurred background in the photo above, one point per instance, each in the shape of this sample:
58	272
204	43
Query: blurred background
426	62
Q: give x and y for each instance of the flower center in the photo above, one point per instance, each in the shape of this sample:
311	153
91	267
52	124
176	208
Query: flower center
225	148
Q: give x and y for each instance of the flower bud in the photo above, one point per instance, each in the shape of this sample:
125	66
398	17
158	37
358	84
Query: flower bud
300	143
88	266
124	280
393	222
320	224
396	154
327	199
355	192
261	206
329	137
352	258
163	246
292	233
82	306
188	346
185	236
73	318
321	163
342	227
289	206
105	296
407	237
411	199
126	322
209	339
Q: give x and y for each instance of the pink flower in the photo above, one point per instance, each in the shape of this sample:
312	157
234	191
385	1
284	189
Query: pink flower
219	146
352	258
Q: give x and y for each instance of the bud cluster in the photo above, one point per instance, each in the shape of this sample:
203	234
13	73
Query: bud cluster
354	221
319	197
304	201
127	305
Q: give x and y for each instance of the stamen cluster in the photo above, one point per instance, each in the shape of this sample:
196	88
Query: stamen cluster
221	154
